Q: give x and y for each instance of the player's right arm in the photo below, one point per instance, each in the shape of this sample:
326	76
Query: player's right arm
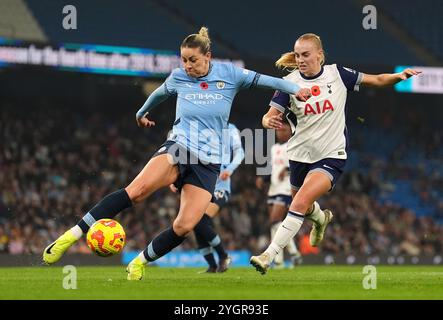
159	95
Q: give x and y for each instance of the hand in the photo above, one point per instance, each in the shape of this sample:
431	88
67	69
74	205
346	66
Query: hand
303	94
225	175
407	73
173	188
144	122
259	182
274	122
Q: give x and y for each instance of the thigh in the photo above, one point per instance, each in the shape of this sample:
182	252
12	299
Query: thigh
314	186
332	168
159	172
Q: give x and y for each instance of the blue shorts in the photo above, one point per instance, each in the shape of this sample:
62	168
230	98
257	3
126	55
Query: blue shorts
282	199
221	197
191	170
333	168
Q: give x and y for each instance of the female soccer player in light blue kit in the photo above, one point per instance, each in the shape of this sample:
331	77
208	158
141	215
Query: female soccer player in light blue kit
318	148
190	158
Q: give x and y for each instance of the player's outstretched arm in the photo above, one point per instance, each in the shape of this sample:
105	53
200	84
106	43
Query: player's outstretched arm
387	79
273	119
268	82
155	98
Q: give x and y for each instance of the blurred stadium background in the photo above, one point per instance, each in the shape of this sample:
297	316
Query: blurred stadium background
68	133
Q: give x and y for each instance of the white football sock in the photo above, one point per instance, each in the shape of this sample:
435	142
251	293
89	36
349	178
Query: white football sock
287	230
77	232
292	247
279	258
316	215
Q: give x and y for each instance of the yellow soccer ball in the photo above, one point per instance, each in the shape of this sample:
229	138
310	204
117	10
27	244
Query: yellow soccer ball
106	237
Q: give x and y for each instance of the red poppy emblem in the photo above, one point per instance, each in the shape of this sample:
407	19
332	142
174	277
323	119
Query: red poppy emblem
315	90
204	85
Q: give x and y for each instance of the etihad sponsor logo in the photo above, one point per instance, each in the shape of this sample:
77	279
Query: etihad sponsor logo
203	96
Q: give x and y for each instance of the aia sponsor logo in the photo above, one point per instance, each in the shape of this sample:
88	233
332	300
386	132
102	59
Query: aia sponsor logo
204	85
318	107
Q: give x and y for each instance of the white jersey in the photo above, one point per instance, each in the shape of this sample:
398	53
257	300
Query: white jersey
320	131
279	162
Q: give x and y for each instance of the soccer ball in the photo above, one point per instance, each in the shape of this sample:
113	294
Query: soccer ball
106	237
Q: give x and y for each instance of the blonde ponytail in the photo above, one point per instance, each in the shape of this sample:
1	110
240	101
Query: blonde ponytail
200	40
287	61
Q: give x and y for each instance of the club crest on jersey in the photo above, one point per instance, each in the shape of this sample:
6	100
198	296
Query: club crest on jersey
318	108
220	85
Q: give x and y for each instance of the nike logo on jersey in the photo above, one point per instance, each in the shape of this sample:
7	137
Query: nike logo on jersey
326	166
48	251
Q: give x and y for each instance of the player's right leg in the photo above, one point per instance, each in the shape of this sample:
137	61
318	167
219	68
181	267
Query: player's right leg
193	203
158	173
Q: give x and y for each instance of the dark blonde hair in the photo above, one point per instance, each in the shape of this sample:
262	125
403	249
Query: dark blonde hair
200	40
287	60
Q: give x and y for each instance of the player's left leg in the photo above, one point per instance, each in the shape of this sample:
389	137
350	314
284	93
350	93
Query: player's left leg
157	173
314	186
214	239
193	203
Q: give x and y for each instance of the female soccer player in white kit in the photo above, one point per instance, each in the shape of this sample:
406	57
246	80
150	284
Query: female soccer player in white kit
317	150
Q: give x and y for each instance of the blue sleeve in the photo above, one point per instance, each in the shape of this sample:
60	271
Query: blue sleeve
237	150
170	83
155	98
350	78
244	78
280	101
267	82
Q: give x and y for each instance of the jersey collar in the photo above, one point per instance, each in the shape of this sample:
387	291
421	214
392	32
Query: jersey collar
209	71
312	77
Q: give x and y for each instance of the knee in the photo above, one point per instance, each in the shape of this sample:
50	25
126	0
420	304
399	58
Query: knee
182	227
137	193
300	205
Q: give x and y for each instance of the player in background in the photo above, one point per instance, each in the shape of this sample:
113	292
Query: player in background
279	193
191	157
318	149
207	239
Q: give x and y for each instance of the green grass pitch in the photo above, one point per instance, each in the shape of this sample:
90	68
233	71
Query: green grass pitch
304	282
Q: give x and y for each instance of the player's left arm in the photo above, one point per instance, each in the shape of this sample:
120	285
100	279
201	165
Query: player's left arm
387	79
249	79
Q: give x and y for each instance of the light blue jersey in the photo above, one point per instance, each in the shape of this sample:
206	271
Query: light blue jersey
204	105
234	147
